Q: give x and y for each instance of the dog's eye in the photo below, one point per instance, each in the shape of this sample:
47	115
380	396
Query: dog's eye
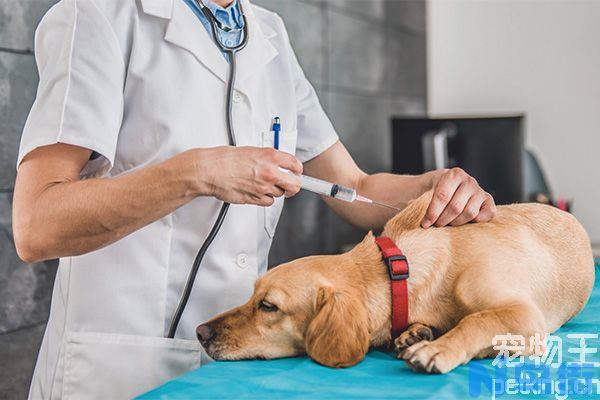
268	307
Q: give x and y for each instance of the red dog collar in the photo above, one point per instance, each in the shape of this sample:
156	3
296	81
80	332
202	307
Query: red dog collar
398	271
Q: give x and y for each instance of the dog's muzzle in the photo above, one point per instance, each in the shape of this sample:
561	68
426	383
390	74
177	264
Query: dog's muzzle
205	334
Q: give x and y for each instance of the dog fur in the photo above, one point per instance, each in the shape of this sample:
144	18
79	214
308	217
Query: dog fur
526	272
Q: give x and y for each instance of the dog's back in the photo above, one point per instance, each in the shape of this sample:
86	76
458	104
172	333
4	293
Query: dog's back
565	265
528	251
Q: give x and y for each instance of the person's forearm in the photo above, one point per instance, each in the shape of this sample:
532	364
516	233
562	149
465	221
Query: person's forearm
395	190
336	165
57	215
76	217
457	199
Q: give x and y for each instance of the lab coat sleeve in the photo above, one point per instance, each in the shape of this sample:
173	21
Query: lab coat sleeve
79	99
315	131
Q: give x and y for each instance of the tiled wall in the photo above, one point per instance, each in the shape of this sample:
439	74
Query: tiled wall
24	289
366	59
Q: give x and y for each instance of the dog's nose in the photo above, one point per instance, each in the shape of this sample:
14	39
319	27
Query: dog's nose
204	333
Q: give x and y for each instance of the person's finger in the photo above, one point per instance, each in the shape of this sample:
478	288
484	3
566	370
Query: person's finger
456	205
265	201
488	210
250	198
289	183
289	162
470	211
442	194
276	191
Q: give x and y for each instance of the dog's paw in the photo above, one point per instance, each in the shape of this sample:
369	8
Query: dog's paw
414	334
431	357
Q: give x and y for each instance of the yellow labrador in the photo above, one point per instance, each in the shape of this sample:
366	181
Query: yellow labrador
527	272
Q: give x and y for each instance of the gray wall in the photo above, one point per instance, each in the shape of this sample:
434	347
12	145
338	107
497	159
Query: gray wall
24	289
366	60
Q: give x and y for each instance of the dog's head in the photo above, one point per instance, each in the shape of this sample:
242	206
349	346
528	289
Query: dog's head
305	306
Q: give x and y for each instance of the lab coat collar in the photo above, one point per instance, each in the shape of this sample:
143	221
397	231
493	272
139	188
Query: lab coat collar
184	30
157	8
259	51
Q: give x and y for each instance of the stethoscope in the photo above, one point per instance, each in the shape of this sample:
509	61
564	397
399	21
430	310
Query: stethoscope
231	52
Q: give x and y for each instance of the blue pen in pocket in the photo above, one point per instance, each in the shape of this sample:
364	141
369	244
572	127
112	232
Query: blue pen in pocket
276	130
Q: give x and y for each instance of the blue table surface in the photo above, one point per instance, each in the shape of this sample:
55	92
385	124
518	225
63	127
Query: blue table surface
379	375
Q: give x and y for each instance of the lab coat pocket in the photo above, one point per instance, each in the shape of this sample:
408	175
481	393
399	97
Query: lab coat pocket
116	366
287	143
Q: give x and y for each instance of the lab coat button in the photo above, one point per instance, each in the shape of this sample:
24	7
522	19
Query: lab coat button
242	260
237	96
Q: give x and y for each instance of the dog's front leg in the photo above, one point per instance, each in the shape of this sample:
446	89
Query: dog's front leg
473	336
413	334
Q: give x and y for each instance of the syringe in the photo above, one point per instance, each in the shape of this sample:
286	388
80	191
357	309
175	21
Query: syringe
336	191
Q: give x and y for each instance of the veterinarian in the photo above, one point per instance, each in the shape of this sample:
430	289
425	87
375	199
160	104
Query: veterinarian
124	165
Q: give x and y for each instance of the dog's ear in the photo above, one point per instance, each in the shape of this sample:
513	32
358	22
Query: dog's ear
338	335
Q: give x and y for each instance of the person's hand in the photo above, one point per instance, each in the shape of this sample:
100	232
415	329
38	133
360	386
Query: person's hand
247	175
458	199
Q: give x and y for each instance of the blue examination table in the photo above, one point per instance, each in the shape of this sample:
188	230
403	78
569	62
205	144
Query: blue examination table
381	376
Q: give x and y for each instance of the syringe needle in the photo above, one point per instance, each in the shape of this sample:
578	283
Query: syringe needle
386	205
367	200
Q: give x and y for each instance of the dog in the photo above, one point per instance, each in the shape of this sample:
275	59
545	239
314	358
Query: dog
526	272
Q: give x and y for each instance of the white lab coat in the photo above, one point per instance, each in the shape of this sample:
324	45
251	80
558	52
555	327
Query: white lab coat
139	82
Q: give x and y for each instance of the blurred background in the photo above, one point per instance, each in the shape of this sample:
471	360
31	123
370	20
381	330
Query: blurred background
510	91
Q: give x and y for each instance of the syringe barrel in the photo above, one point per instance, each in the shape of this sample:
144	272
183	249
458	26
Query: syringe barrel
327	189
344	193
316	185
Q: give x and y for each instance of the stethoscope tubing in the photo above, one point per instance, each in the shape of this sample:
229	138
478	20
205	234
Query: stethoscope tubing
231	52
217	38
